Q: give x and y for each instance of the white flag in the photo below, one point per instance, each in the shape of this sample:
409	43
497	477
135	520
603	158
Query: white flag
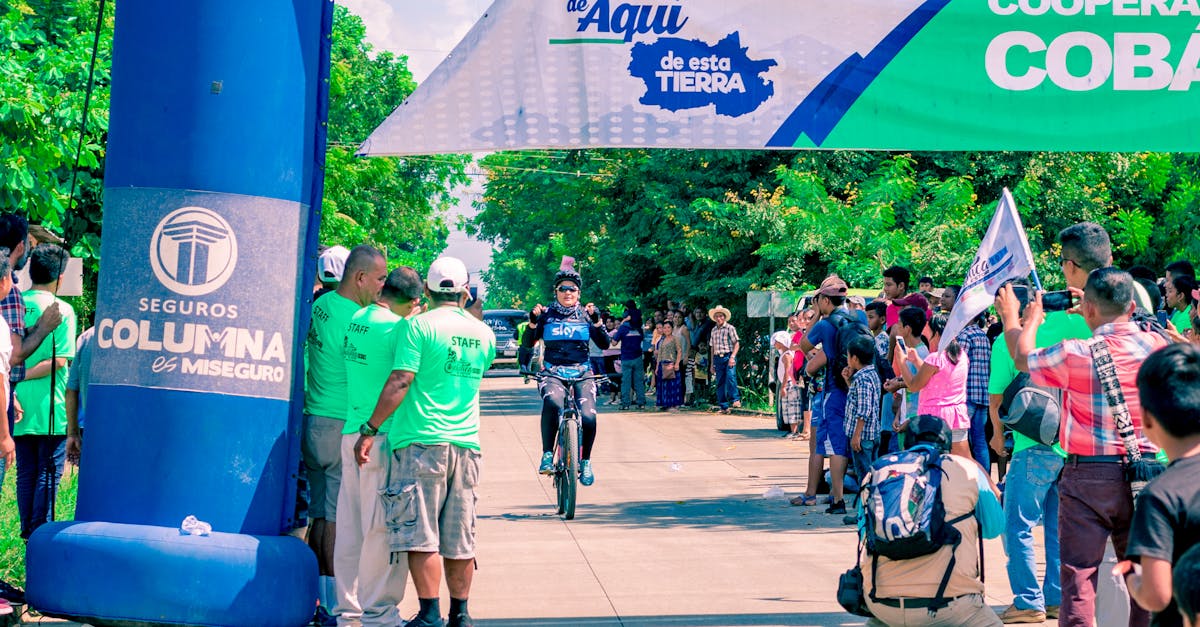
1003	255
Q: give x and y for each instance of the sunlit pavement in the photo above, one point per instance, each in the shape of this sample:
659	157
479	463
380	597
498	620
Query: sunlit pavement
676	531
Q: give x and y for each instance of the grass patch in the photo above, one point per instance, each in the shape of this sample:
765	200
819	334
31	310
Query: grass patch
12	547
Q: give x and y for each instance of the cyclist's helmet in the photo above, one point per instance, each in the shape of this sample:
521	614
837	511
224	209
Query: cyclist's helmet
566	272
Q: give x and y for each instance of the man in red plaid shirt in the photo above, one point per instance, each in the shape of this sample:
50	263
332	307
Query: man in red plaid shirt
1095	501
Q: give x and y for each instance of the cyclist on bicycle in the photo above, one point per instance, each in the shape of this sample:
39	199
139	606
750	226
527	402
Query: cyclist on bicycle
564	329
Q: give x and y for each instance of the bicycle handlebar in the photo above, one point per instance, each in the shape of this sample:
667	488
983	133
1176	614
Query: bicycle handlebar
567	380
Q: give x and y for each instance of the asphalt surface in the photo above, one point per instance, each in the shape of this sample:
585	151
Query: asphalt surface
676	530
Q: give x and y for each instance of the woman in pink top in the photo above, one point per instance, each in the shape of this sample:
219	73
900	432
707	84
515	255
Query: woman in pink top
942	381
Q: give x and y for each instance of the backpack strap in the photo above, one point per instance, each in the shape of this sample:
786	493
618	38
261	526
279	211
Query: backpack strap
1110	383
982	570
939	600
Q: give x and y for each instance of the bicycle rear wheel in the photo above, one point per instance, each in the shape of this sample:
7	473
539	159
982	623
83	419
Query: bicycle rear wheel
569	468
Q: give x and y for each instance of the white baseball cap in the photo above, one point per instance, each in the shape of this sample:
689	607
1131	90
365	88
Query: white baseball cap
332	263
447	275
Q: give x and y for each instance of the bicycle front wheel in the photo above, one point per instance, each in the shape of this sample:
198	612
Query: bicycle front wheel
569	471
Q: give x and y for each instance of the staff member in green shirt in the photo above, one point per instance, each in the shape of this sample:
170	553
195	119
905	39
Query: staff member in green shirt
325	403
41	427
430	498
1180	303
369	586
1031	491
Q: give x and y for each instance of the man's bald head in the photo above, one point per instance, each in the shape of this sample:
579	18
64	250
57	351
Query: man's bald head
362	259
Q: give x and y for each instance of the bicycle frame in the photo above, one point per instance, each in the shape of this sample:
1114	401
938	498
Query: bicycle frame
566	465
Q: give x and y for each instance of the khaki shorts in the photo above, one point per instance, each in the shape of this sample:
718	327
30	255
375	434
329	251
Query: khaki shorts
322	450
430	500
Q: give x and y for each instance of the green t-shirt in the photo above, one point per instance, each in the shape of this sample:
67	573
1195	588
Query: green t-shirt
1182	319
449	350
370	351
1059	326
34	394
325	373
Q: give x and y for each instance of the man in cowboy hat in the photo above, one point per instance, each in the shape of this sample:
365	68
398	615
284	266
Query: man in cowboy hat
725	344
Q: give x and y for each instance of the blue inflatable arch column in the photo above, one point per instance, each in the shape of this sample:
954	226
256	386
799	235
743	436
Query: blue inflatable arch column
212	191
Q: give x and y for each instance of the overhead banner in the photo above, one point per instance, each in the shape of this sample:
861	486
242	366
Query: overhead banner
1101	75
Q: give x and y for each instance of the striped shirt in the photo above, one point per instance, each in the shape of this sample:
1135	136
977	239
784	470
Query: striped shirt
12	307
1088	427
862	402
974	343
722	339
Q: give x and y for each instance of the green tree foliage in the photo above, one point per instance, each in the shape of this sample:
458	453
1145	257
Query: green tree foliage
396	204
707	226
46	49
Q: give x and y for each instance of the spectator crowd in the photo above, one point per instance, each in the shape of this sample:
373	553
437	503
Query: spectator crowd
1086	401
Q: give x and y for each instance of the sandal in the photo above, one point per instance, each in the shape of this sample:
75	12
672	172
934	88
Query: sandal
803	500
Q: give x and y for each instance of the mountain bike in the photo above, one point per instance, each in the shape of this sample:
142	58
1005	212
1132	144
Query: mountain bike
568	447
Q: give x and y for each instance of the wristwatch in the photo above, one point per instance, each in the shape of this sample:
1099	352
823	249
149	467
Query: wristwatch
368	430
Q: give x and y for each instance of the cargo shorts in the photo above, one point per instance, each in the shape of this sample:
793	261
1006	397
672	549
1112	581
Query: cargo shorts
430	500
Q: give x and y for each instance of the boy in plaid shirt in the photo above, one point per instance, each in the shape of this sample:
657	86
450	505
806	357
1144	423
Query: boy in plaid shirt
862	404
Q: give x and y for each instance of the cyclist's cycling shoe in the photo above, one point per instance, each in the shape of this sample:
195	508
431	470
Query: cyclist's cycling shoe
417	621
586	477
547	467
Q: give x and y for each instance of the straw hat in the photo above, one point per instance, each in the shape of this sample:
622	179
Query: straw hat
712	313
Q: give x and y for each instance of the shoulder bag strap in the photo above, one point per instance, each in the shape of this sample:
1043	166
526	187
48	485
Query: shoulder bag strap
1111	385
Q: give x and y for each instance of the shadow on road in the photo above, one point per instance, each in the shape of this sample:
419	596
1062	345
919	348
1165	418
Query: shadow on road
815	619
766	432
524	399
732	512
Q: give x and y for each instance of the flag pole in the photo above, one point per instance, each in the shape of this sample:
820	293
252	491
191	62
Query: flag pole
1037	283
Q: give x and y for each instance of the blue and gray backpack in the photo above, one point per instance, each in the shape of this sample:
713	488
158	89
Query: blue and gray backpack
904	516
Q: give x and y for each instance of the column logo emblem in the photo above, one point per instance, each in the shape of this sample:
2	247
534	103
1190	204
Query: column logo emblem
193	251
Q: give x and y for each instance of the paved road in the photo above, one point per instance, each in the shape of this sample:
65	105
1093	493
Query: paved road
674	532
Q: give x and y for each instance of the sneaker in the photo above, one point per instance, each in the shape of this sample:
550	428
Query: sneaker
414	622
323	618
623	408
837	508
11	593
547	467
850	519
1052	612
586	477
461	620
1013	614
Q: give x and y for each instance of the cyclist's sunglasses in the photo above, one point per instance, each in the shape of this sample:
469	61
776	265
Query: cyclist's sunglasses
568	288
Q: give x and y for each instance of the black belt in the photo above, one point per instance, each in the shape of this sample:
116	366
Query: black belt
1095	459
913	603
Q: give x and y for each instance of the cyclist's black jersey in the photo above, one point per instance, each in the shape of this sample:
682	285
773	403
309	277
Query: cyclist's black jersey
565	337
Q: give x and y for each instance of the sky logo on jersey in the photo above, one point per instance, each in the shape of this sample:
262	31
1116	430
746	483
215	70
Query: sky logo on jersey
565	330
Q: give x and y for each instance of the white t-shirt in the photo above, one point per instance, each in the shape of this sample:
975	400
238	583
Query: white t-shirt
6	349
